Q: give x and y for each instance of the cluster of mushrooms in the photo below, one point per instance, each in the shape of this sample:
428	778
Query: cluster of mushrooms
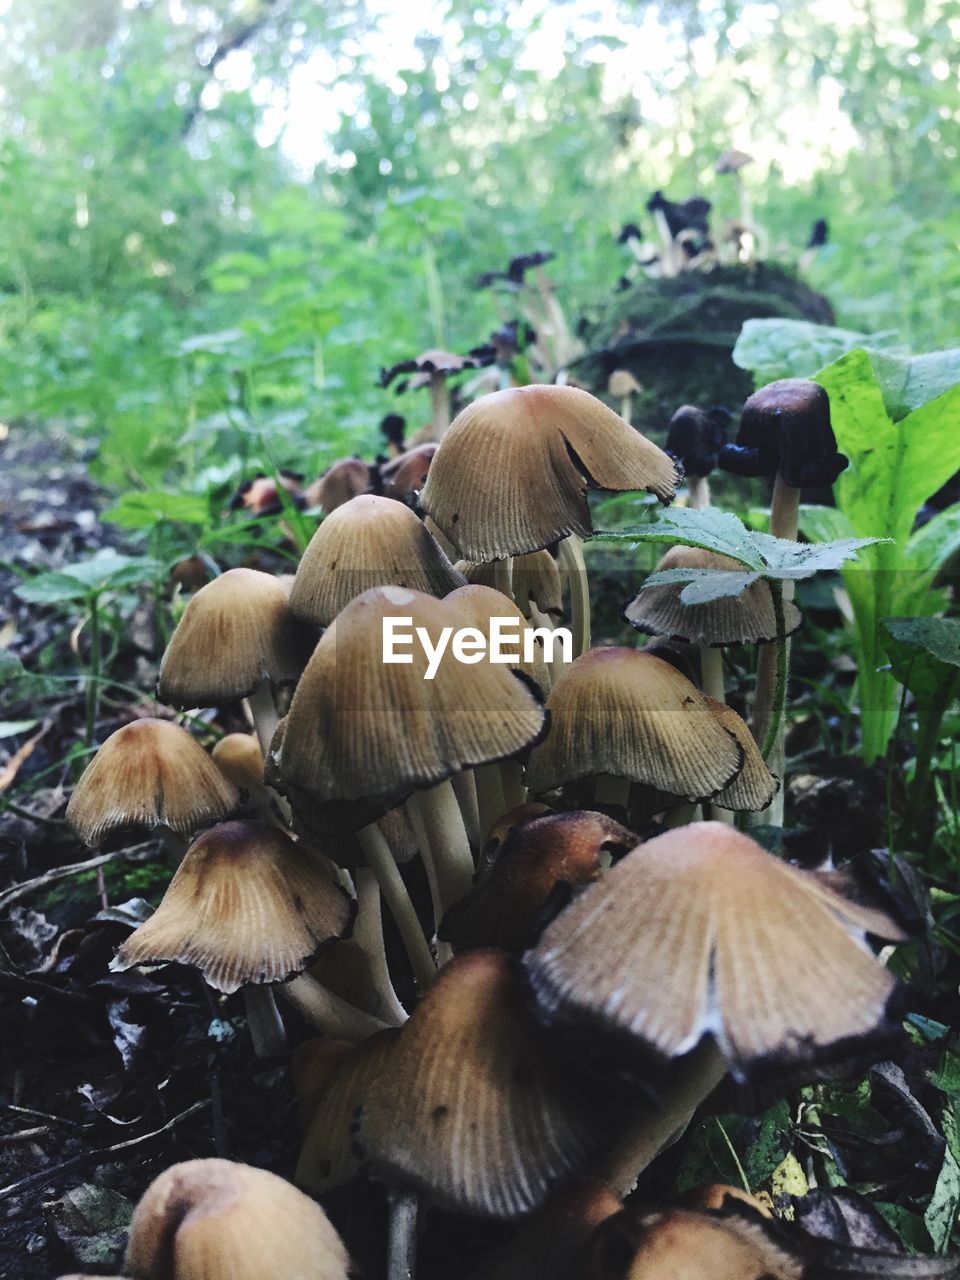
582	962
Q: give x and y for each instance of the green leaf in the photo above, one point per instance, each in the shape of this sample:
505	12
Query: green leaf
796	560
106	571
704	584
937	640
941	1212
224	342
908	382
781	348
708	528
19	687
144	510
823	524
933	543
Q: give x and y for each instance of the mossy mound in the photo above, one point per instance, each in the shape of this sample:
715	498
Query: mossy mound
676	335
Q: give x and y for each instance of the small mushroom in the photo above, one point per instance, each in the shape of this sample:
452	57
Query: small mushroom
623	386
342	481
435	367
696	436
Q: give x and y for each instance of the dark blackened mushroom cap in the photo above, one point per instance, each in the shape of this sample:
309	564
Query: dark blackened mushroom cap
431	362
393	428
786	427
696	436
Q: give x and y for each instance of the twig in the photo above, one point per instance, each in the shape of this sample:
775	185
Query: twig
97	1153
23	1135
59	873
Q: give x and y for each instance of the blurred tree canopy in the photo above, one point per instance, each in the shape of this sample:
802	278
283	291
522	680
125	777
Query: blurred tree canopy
218	220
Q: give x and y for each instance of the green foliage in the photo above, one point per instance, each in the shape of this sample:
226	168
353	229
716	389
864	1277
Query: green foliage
107	571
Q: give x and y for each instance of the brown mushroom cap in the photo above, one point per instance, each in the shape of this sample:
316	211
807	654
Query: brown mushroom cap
622	383
368	542
747	618
629	714
479	605
539	859
700	932
238	757
471	1110
360	728
235	633
214	1218
247	905
338	484
754	786
732	161
512	472
150	773
407	474
536	579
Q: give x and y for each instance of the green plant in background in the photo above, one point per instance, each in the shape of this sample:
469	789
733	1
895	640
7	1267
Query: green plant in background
897	418
96	588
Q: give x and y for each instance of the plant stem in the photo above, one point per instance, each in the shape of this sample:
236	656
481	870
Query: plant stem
401	1234
511	779
263	1017
93	675
653	1128
465	787
440	399
570	558
384	867
503	576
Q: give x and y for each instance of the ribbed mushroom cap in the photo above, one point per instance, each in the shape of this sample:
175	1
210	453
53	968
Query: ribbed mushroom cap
430	362
247	905
479	605
235	633
629	714
361	728
340	1087
216	1220
754	786
701	932
542	862
747	618
677	1244
536	579
238	757
512	472
471	1110
407	474
368	542
338	484
150	773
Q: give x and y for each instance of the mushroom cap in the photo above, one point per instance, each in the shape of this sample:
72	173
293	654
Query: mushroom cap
430	362
239	759
754	786
370	541
214	1218
536	578
732	161
512	472
696	436
541	862
629	714
748	618
702	932
340	482
235	633
361	728
479	605
471	1109
622	383
247	905
785	427
149	773
407	473
339	1087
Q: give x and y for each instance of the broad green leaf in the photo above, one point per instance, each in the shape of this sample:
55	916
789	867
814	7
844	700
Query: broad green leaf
144	510
708	528
19	686
222	343
781	348
925	656
704	585
795	560
52	588
933	543
908	382
824	524
941	1212
936	638
106	571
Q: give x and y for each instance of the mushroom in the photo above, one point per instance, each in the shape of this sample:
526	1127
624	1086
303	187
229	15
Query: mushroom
785	432
239	759
364	730
623	386
695	436
341	481
214	1218
393	427
370	541
512	474
150	773
236	638
261	495
248	907
435	367
405	475
621	716
699	953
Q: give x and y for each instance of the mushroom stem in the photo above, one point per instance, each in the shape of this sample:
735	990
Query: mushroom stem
263	1018
368	934
699	487
653	1128
334	1016
570	558
449	845
489	797
773	661
401	1234
711	672
263	713
465	788
442	950
625	409
511	779
503	576
381	862
681	815
440	399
